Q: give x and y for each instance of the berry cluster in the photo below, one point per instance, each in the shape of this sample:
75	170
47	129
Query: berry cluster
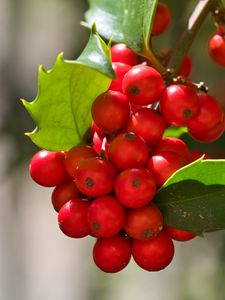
106	188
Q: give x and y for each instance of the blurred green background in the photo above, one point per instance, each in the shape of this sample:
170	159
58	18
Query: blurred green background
37	261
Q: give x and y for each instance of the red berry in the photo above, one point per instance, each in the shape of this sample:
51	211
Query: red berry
95	177
135	187
106	216
216	48
120	70
186	67
179	104
209	116
143	85
194	155
77	154
47	168
148	124
163	165
121	53
154	254
173	144
63	193
178	234
128	150
110	111
144	223
72	218
211	135
112	254
162	19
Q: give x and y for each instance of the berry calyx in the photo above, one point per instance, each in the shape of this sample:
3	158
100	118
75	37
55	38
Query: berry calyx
143	85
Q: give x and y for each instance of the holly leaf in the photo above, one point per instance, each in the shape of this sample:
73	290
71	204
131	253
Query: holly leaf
193	199
61	109
175	131
127	21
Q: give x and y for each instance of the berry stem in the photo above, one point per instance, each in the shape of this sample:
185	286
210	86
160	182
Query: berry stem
154	61
202	9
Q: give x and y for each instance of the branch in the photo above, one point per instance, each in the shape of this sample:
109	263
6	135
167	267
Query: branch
185	41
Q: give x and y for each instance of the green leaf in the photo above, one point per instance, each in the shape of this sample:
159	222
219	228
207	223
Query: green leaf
61	109
175	131
128	21
193	199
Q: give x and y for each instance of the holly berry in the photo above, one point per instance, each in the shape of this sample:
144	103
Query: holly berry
47	168
128	150
194	155
95	176
135	187
106	217
75	155
121	53
154	254
216	48
144	223
175	145
163	165
120	70
112	254
210	114
148	124
63	193
110	111
72	218
178	234
186	67
211	135
179	104
162	19
143	85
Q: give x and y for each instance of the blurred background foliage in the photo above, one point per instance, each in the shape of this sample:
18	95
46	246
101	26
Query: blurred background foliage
33	33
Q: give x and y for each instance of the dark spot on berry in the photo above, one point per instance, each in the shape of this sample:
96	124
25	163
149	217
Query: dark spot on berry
89	182
136	182
134	90
95	225
187	113
130	136
148	233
